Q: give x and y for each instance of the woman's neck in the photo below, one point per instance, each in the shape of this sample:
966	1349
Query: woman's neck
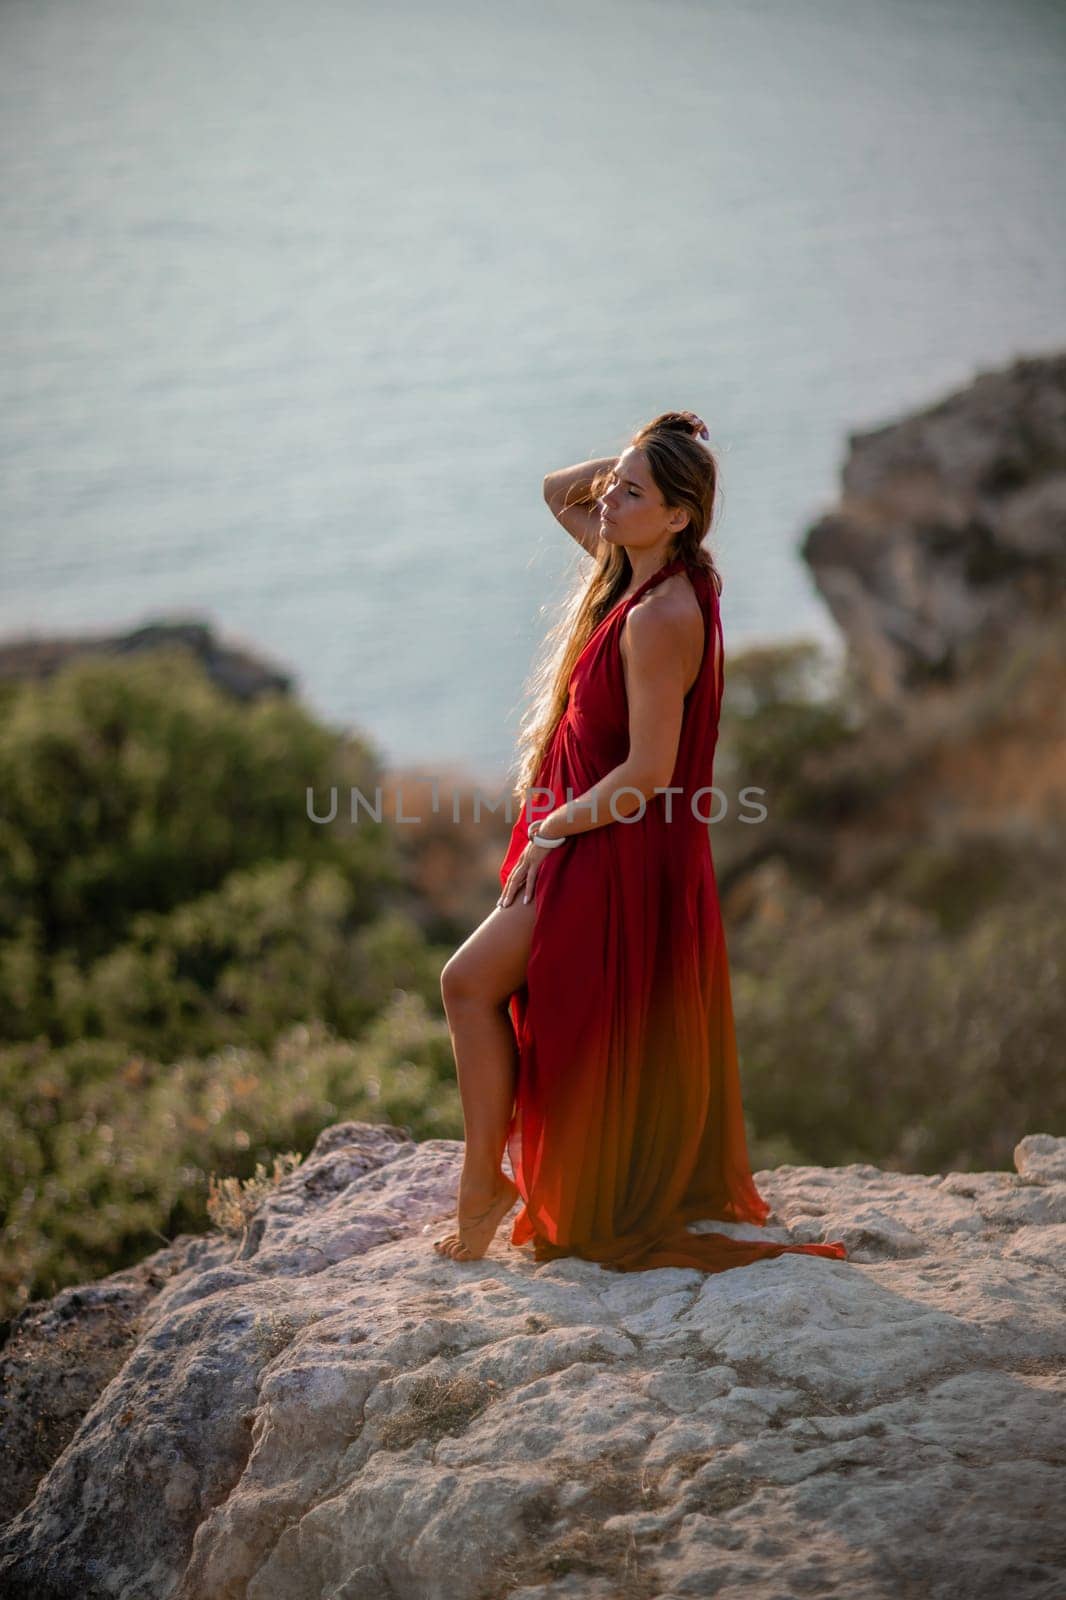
645	562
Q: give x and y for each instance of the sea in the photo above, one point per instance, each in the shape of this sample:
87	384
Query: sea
301	302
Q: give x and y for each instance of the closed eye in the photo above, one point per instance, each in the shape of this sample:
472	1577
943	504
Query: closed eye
633	491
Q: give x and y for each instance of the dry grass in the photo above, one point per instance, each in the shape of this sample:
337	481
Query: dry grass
437	1407
233	1202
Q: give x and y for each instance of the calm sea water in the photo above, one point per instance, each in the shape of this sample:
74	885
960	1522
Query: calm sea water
301	302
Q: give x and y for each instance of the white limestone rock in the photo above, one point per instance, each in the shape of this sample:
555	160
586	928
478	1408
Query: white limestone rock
330	1409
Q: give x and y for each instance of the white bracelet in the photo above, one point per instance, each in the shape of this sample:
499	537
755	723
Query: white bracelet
547	844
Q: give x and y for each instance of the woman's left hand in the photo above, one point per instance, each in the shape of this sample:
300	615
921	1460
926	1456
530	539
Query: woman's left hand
525	870
522	876
536	856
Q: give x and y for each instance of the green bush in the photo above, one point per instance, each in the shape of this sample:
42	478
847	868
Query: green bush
785	705
277	944
870	1035
133	785
107	1154
193	972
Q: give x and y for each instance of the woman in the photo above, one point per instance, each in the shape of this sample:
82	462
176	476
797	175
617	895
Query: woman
590	1013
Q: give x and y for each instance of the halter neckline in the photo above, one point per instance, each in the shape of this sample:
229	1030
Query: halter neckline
660	572
664	571
619	606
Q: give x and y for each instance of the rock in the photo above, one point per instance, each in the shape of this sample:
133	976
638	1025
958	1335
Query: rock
232	668
59	1354
951	531
1041	1159
328	1408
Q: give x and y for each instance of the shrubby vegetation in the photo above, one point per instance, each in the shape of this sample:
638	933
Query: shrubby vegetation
129	786
867	1035
194	976
784	705
107	1154
275	942
193	973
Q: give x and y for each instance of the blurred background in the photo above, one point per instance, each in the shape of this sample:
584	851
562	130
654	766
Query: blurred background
299	308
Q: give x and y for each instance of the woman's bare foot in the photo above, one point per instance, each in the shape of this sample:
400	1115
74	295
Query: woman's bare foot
474	1233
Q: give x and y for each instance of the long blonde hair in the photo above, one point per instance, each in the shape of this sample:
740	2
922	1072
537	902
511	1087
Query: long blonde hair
685	472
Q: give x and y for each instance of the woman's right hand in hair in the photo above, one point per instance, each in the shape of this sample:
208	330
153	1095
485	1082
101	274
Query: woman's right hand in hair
699	427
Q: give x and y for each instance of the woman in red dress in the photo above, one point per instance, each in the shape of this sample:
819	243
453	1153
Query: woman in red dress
590	1013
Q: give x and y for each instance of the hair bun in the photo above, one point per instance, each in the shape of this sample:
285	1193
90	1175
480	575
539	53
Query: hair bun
671	422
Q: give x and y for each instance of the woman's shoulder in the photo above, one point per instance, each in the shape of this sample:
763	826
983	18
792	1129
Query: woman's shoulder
668	618
679	599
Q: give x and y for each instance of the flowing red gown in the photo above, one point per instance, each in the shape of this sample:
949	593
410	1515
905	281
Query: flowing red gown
627	1122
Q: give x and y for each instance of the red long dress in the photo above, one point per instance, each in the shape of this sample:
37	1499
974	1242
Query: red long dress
627	1122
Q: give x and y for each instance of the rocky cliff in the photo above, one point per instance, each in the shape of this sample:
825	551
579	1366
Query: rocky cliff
944	563
950	533
325	1407
233	668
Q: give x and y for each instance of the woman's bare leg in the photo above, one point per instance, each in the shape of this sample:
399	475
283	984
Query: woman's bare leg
476	985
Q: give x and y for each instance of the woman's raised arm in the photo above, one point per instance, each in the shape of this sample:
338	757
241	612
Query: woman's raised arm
569	497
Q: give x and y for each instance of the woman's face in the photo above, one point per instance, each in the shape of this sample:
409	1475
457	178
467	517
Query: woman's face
632	511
